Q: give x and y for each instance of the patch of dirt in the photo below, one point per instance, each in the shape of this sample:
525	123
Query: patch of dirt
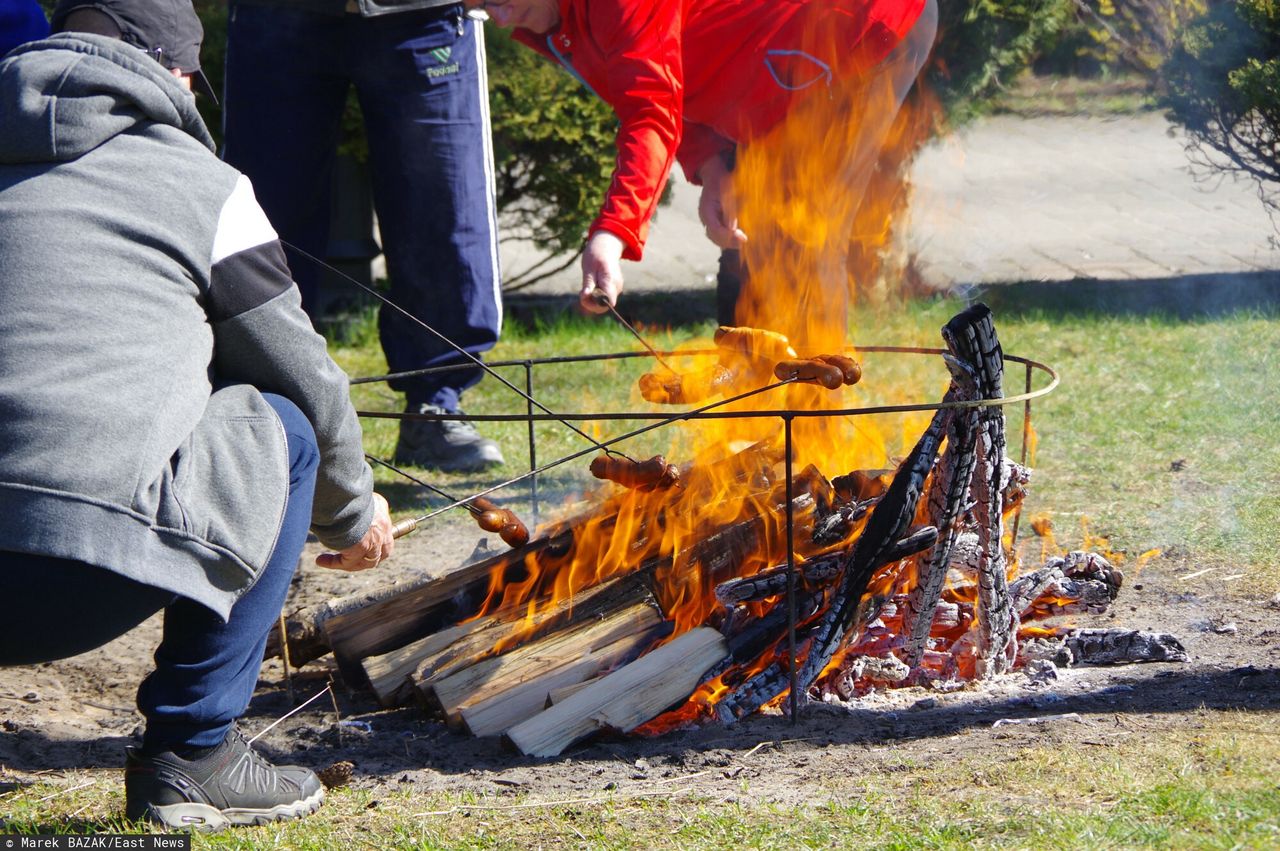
78	713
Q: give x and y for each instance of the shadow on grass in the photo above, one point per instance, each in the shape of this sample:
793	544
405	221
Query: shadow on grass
78	827
1188	297
386	743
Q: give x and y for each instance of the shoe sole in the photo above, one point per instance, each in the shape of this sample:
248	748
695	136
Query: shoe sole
204	817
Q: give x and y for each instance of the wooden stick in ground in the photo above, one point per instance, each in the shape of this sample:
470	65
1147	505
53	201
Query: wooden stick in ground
284	657
624	699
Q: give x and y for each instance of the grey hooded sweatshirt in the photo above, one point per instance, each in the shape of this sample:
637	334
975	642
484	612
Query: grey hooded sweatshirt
144	304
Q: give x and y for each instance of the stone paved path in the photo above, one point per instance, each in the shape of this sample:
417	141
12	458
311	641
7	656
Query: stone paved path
1040	199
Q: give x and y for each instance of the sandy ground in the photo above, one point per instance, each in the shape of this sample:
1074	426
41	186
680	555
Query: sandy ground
78	713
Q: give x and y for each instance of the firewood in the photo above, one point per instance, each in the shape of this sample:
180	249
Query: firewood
888	523
558	695
949	490
1103	647
773	580
392	674
971	338
499	712
1076	582
409	614
624	699
491	677
1120	646
388	673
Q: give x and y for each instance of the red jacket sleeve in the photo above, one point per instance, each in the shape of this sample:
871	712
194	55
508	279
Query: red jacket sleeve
643	81
699	144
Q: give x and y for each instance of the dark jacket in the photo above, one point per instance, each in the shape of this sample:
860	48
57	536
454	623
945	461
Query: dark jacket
144	297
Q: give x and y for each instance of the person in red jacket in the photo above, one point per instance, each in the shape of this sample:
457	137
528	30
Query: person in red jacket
694	80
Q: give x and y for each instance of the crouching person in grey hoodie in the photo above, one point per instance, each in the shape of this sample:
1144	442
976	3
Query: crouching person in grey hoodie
172	425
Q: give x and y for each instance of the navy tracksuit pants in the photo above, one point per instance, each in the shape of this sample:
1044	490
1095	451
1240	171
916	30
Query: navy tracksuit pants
206	670
420	80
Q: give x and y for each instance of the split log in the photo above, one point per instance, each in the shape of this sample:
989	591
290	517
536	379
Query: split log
624	699
501	711
409	614
492	677
558	695
393	673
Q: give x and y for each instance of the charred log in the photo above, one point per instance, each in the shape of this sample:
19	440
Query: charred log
948	494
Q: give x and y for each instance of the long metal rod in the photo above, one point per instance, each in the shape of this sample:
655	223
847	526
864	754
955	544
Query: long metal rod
791	577
602	298
533	445
561	359
1026	439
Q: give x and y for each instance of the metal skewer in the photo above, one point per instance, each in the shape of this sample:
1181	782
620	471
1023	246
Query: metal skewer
602	297
490	516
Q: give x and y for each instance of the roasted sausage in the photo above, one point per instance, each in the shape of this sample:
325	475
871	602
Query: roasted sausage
685	388
769	345
849	368
810	371
646	475
493	518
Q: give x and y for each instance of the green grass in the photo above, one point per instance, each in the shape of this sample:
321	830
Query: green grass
1031	96
1212	786
1161	434
1139	392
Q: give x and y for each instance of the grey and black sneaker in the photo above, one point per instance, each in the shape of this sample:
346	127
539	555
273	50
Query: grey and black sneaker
453	446
232	784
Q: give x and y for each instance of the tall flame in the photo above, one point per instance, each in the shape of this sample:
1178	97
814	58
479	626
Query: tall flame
819	197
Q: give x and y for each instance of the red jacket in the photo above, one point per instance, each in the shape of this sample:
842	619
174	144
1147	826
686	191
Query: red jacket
690	78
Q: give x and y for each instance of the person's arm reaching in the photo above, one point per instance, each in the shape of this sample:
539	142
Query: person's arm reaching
644	84
263	338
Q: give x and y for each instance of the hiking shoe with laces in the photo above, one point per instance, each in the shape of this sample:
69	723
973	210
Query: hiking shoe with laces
232	784
449	445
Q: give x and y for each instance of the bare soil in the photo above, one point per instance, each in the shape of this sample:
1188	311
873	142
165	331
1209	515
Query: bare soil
79	713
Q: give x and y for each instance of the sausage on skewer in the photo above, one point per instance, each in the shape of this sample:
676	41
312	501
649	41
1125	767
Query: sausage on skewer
685	388
647	475
491	517
811	372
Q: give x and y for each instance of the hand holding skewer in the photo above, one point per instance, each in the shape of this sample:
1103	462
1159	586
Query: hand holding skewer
373	548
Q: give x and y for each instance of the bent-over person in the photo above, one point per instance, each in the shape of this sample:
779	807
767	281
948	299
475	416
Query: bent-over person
172	424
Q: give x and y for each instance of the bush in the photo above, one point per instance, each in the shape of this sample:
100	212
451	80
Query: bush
984	43
1224	87
1137	35
553	146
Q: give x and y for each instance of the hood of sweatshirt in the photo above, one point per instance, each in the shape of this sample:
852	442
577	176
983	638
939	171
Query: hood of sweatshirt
63	96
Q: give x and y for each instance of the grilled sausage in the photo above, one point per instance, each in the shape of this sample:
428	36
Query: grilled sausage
493	518
849	368
685	388
769	345
811	372
646	475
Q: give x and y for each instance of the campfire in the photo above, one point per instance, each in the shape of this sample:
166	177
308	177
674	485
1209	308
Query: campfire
708	591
